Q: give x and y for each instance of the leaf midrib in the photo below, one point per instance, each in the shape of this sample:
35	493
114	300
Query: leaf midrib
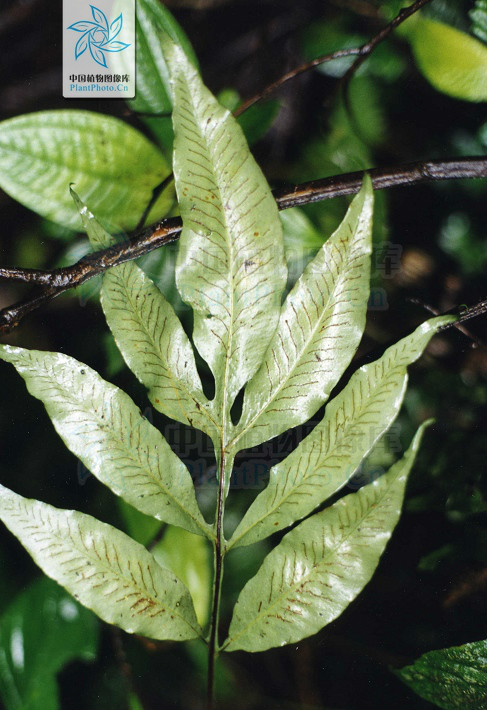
99	561
372	508
137	464
304	349
350	423
197	118
181	382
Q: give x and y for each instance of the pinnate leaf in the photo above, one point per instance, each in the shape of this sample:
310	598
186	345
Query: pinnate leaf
321	566
320	327
102	568
104	428
325	460
111	163
230	266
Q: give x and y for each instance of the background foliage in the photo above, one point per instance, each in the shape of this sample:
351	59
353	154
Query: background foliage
427	591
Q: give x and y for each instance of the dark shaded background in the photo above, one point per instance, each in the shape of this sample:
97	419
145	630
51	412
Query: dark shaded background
428	590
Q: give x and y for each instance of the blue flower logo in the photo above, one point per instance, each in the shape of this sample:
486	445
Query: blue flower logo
98	36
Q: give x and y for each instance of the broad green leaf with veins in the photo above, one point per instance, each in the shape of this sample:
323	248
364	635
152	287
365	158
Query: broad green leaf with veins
319	330
104	428
325	460
321	566
150	336
115	167
231	266
103	568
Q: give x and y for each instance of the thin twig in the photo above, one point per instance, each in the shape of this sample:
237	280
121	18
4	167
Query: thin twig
367	48
361	53
59	280
464	315
467	314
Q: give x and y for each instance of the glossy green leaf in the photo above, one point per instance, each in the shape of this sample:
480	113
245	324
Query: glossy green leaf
451	60
230	266
326	459
150	336
97	234
102	568
154	345
153	93
321	566
319	330
451	678
188	556
104	428
114	167
41	631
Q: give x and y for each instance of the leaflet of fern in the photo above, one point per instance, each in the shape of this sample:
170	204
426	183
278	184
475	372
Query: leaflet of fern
324	461
104	428
103	568
321	566
320	327
154	345
150	336
230	267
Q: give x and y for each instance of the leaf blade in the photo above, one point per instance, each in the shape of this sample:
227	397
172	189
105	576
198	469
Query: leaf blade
307	355
43	617
451	678
153	91
150	336
324	461
230	265
452	61
103	427
304	583
75	550
155	347
114	166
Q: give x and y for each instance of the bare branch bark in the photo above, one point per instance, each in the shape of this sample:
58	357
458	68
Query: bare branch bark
59	280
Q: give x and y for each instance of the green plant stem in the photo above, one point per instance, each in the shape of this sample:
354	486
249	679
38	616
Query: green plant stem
225	465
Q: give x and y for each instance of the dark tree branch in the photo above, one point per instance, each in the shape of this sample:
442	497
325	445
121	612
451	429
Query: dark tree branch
360	52
382	178
464	315
367	48
59	280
